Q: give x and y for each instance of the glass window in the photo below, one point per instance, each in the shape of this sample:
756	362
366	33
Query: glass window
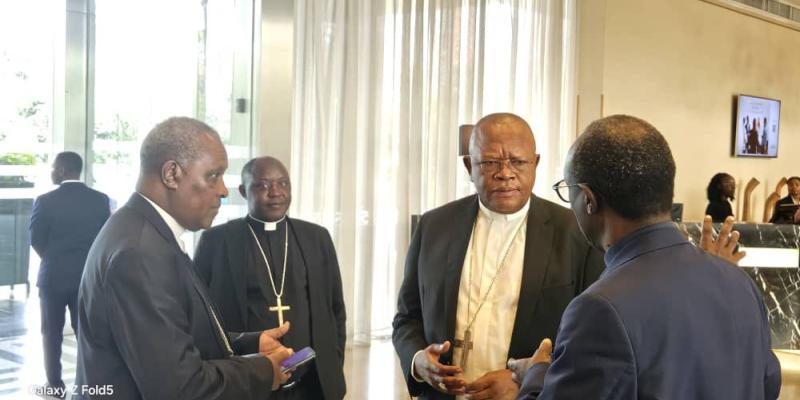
186	62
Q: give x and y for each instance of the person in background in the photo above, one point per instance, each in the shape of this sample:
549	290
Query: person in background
793	197
64	223
720	192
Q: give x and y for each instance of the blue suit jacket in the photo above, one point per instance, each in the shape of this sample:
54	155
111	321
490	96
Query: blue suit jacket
64	223
665	321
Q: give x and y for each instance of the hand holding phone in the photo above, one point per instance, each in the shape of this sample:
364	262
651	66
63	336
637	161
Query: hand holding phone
297	360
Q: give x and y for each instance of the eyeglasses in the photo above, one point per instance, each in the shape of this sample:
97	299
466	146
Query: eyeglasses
562	189
516	165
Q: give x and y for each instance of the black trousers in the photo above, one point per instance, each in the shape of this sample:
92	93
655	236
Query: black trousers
53	304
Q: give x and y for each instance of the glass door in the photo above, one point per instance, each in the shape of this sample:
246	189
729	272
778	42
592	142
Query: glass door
157	59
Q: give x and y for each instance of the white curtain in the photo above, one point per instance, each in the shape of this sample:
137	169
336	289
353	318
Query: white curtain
381	87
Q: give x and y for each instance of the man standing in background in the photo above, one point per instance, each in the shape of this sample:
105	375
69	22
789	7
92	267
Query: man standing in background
63	226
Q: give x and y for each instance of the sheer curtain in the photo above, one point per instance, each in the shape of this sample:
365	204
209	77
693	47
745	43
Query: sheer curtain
380	90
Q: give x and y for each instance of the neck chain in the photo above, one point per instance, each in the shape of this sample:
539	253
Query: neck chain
496	274
269	270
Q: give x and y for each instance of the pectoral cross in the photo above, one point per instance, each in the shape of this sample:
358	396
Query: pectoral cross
279	308
466	344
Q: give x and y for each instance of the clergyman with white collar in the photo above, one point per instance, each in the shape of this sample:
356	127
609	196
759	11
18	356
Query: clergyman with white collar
266	268
488	276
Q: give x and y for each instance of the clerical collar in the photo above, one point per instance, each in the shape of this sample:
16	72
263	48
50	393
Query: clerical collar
268	226
173	225
496	216
69	181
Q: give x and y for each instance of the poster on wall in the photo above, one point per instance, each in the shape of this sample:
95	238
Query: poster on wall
757	124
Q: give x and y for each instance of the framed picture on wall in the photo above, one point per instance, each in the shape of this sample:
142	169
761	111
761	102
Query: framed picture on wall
757	127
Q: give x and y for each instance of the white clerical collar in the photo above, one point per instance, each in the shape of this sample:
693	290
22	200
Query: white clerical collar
268	226
69	181
496	216
173	225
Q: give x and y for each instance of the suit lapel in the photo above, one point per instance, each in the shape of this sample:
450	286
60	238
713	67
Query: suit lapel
538	240
199	287
237	239
141	205
310	258
461	232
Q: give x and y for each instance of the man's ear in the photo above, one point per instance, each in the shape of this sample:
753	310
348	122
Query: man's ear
242	191
592	204
538	156
171	174
468	165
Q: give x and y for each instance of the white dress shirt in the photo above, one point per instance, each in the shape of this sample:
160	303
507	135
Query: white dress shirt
173	225
492	236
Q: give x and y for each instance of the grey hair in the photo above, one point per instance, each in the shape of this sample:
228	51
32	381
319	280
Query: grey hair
176	139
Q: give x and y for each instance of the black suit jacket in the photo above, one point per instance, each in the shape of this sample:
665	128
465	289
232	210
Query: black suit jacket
665	321
778	218
558	265
64	223
145	322
220	261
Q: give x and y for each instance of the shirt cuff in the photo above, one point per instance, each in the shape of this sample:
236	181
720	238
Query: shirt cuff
413	361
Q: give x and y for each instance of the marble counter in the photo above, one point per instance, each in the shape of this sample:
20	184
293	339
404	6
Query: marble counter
779	282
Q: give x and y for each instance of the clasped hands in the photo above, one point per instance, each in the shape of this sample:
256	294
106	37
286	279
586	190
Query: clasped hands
447	379
275	352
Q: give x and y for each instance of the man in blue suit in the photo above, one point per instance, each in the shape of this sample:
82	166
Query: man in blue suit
666	320
64	224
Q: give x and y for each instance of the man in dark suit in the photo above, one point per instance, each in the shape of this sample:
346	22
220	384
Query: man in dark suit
781	216
148	329
267	267
63	226
490	273
666	320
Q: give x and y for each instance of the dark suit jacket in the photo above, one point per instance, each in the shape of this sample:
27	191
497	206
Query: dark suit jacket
719	210
145	321
778	218
64	224
665	321
220	263
558	264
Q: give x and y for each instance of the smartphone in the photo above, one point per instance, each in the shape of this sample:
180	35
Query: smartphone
297	360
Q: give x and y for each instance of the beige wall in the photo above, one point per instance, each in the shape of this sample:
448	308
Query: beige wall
678	64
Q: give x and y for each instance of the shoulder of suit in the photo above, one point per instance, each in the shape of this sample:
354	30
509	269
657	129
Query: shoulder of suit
302	225
222	228
97	192
559	214
48	195
447	210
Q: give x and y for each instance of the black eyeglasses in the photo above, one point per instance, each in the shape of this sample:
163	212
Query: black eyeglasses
562	189
516	165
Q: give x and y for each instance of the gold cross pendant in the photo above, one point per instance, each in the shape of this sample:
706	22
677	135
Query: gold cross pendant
466	344
279	308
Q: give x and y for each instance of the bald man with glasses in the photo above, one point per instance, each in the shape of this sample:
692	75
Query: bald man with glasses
487	277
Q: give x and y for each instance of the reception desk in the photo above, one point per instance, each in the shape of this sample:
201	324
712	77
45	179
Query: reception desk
773	262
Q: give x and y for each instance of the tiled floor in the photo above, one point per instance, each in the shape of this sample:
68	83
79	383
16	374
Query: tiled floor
372	371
